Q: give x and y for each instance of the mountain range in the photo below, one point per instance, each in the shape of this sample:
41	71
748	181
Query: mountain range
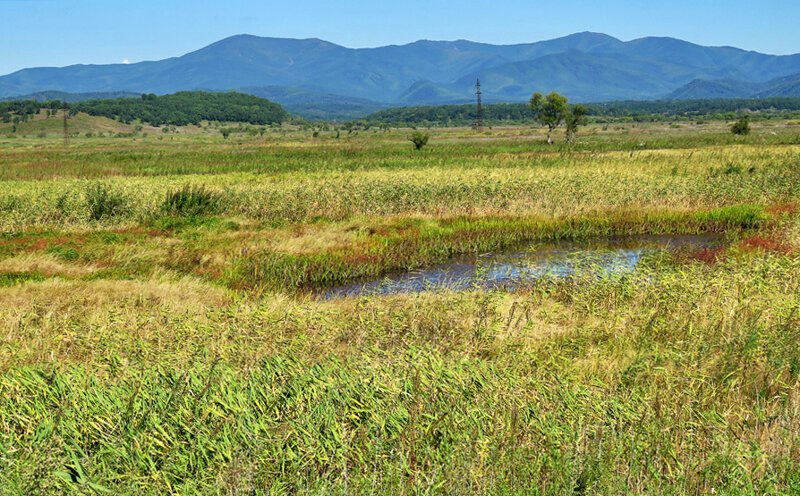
704	89
315	77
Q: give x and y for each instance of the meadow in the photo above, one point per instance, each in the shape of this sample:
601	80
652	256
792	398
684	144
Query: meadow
160	333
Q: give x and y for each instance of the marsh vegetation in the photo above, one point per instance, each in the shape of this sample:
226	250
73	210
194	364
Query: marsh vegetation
160	332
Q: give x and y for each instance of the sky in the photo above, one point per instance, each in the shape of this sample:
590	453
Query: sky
64	32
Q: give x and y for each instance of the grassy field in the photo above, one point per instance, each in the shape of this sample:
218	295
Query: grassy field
159	332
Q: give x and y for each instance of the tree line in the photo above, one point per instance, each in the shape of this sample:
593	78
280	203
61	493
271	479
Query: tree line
623	111
179	109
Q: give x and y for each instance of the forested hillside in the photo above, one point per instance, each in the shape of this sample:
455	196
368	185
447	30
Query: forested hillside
180	109
188	107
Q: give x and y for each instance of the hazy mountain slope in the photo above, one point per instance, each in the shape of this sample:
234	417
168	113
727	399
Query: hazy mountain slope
702	89
46	96
584	77
724	62
586	66
782	87
314	105
430	93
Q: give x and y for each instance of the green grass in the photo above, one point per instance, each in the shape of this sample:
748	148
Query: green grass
191	201
508	184
102	202
412	244
13	278
685	383
287	151
153	339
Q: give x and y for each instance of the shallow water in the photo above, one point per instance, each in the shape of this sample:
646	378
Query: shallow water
534	262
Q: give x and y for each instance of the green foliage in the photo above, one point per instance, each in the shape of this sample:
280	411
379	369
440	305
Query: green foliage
103	202
742	126
190	201
631	111
188	107
14	278
551	111
576	116
65	253
734	217
419	139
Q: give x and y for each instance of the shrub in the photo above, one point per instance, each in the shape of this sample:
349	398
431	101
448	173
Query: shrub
103	202
742	126
190	201
419	139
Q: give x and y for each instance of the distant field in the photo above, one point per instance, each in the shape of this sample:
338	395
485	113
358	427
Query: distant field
159	333
42	126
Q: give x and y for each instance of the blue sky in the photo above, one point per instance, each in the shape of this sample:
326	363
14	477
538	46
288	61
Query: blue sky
63	32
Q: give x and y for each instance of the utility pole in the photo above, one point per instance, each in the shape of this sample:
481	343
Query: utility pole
479	111
65	109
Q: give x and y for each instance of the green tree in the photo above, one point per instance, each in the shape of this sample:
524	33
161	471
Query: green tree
575	117
419	139
550	111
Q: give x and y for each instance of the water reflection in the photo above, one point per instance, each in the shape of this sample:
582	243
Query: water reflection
514	268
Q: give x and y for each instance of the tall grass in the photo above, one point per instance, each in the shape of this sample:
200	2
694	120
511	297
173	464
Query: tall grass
152	340
519	184
677	381
191	201
102	201
413	244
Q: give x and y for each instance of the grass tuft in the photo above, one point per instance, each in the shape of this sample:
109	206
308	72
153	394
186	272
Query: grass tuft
191	201
13	278
103	202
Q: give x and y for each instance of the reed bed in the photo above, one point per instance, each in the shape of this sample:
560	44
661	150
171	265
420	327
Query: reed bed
155	337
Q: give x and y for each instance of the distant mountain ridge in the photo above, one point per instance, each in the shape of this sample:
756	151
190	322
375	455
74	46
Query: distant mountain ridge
700	89
320	75
47	96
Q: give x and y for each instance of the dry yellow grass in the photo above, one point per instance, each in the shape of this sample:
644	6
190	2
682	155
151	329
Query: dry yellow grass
46	265
121	372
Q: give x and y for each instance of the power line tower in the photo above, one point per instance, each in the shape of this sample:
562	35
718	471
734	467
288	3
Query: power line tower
479	110
65	109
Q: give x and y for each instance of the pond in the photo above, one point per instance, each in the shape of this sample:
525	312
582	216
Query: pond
522	266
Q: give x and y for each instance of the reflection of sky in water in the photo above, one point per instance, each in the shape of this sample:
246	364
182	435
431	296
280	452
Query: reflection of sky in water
508	270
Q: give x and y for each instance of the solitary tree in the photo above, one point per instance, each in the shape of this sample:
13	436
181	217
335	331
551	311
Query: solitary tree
419	139
550	111
576	116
